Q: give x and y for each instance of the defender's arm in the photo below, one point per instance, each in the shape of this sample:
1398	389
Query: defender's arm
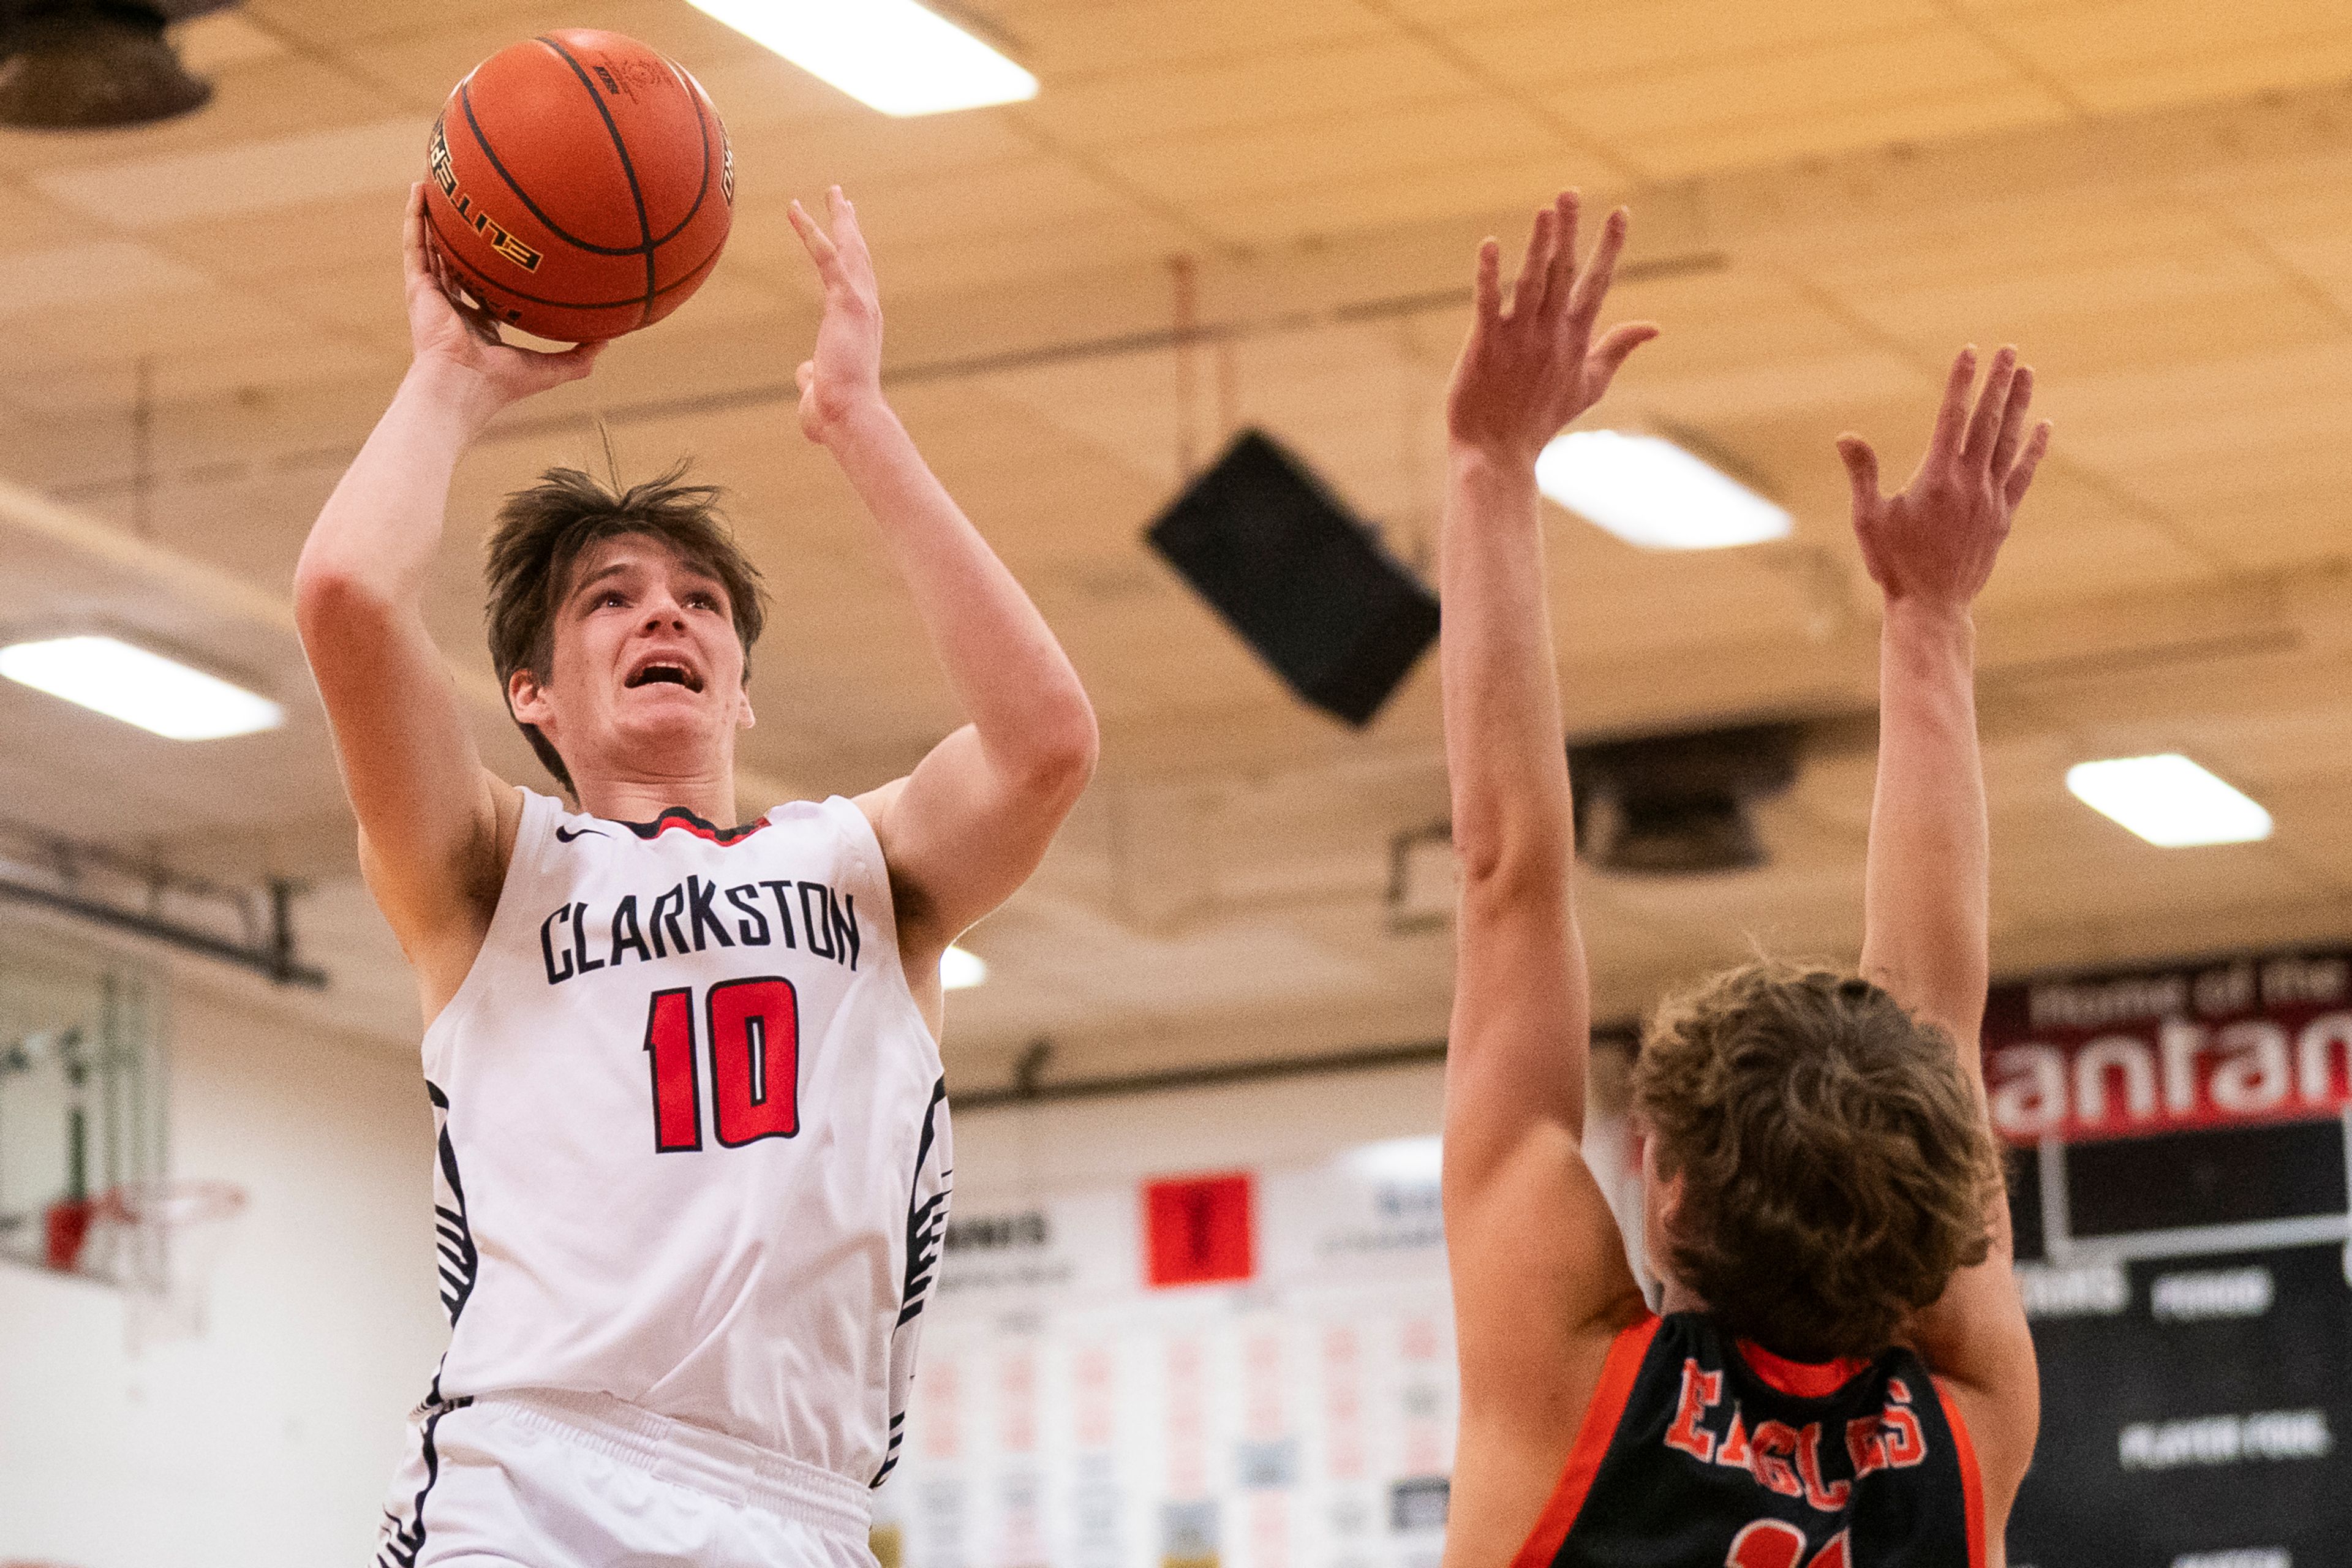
433	824
1540	1279
1927	885
967	827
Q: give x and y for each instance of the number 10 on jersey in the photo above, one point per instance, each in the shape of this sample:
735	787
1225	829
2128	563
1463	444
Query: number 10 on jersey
752	1028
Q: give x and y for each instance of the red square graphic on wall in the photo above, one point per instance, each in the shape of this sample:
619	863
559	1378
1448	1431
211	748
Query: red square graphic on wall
1200	1229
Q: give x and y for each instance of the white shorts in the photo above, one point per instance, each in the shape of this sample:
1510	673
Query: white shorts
555	1479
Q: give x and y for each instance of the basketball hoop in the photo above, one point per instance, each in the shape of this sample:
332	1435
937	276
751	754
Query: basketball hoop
159	1240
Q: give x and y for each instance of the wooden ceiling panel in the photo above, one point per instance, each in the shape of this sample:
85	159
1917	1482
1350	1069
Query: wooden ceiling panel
93	275
2118	55
2305	222
2071	540
421	67
1365	76
1919	83
1622	604
1125	407
346	234
1310	151
31	223
280	176
328	21
184	322
1024	194
1549	45
2072	283
2077	866
851	148
1072	42
2203	412
1519	173
252	101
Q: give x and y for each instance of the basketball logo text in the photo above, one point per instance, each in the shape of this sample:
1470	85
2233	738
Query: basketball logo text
624	76
727	168
445	175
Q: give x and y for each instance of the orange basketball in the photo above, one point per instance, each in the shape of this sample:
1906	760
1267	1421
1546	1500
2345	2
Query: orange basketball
580	186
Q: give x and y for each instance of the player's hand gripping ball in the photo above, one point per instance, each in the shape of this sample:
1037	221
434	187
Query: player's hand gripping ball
579	187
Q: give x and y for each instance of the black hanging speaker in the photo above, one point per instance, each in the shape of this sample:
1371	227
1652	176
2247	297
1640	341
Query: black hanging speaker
90	65
1298	577
1680	805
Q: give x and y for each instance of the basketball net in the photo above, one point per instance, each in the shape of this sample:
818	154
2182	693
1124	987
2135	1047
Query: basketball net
160	1240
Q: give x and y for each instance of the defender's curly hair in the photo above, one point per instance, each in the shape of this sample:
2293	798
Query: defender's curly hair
1836	1167
539	534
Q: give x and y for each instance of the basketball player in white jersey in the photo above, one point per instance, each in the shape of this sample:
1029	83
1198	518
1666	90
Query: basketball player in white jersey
693	1147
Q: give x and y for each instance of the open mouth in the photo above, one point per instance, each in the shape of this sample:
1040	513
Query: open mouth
661	673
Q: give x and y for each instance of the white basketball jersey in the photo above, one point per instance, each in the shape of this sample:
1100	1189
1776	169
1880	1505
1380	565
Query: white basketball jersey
694	1136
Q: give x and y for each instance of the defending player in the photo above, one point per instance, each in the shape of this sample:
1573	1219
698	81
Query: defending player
693	1147
1844	1375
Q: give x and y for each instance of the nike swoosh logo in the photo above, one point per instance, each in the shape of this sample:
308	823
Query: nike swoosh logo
566	835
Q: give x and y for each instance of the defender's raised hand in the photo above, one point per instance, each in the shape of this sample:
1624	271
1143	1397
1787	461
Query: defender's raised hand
1935	539
845	373
1531	365
441	333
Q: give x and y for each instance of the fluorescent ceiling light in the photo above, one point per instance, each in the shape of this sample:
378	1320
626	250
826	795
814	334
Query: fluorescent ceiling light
138	688
2169	800
890	55
1650	492
961	971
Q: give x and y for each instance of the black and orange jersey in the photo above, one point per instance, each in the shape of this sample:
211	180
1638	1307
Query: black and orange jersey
1701	1451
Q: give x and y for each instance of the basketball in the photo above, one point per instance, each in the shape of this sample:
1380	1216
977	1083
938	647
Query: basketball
580	186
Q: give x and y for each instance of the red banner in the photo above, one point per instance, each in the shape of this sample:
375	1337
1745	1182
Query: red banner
1200	1230
2267	1039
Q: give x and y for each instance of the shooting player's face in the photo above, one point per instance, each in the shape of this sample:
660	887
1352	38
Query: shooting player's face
646	674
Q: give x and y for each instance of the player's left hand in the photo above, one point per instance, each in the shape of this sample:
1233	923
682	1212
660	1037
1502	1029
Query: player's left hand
1935	540
1532	365
845	373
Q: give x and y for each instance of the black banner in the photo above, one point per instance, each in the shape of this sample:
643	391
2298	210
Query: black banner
2184	1251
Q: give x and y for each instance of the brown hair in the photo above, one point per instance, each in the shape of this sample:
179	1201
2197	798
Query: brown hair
541	533
1836	1167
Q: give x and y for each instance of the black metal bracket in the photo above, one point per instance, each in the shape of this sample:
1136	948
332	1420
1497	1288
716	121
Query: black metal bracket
251	927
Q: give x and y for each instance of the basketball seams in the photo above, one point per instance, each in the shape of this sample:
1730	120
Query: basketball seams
482	140
694	100
455	258
628	169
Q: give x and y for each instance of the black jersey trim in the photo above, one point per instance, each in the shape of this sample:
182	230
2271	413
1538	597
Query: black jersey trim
459	1263
677	816
403	1539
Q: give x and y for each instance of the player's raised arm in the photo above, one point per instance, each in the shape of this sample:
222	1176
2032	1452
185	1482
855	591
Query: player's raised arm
970	823
1540	1279
1930	549
429	813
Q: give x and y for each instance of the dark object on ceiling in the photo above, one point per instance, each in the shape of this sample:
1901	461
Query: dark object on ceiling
1678	804
90	65
1293	573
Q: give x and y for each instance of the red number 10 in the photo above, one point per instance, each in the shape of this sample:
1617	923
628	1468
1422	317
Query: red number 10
754	1030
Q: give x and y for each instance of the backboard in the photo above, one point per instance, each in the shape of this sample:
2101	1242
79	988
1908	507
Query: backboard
82	1098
